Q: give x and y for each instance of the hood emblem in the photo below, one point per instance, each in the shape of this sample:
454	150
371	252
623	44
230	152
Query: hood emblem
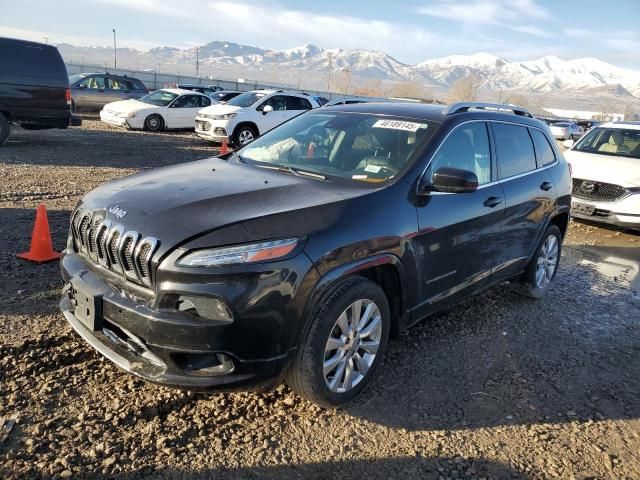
117	211
588	187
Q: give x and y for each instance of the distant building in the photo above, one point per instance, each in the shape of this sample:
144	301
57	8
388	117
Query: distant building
585	115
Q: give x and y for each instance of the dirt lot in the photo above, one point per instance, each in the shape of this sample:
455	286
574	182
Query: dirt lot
497	387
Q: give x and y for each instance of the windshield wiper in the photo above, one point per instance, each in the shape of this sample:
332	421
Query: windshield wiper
294	171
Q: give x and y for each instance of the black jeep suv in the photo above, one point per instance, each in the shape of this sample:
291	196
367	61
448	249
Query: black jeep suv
299	254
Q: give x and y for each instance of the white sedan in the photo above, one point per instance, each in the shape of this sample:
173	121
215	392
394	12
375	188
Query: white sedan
163	109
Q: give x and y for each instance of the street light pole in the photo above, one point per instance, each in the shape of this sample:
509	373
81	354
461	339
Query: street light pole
115	51
46	40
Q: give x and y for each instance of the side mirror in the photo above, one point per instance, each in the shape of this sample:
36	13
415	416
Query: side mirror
568	143
81	86
453	180
266	109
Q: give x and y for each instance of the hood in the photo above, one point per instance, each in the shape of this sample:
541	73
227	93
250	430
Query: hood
125	106
220	109
179	203
623	171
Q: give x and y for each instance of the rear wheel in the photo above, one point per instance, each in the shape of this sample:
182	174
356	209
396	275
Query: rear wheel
5	129
154	123
244	134
345	344
543	266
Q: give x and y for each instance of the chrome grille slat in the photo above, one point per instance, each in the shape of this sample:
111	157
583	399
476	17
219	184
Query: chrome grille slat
111	246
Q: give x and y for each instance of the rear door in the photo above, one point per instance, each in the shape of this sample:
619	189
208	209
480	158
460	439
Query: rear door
529	194
118	89
458	231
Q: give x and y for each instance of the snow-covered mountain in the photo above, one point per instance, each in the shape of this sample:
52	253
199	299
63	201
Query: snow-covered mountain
547	74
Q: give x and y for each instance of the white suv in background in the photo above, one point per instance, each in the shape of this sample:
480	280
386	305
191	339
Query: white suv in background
250	114
606	174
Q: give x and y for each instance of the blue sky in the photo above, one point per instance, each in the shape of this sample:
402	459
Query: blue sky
410	31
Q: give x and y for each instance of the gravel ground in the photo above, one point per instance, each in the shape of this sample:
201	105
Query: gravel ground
497	387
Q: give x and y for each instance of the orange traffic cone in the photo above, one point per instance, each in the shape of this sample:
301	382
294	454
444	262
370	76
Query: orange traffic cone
41	246
224	148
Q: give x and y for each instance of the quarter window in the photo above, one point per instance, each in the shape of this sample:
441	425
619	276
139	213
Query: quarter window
467	148
546	156
515	150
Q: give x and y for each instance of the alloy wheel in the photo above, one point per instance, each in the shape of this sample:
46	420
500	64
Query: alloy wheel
245	137
352	345
547	261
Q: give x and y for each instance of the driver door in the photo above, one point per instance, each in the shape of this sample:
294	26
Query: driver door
458	231
184	109
270	120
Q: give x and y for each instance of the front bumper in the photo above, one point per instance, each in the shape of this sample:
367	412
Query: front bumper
164	346
111	119
623	213
214	130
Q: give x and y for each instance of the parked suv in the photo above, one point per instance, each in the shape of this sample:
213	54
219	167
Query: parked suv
249	115
606	174
298	255
92	91
34	87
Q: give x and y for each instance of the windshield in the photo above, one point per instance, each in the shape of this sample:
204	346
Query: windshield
619	142
246	99
354	146
74	78
162	98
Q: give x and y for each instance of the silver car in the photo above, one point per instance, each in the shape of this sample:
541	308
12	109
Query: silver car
566	130
92	91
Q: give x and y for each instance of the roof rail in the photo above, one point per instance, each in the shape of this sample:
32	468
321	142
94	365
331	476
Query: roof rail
466	106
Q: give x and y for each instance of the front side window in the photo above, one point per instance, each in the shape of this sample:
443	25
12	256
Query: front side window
621	142
545	152
161	98
466	148
277	102
515	150
92	82
359	147
297	103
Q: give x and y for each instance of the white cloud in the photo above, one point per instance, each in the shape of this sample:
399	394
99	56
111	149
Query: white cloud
485	11
272	25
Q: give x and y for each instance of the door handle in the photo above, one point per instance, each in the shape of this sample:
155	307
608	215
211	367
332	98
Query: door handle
546	186
492	202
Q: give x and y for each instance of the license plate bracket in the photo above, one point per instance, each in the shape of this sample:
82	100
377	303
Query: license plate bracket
87	304
582	208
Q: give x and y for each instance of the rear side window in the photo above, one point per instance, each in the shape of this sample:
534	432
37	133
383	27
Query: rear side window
92	82
205	101
297	103
545	152
467	148
515	150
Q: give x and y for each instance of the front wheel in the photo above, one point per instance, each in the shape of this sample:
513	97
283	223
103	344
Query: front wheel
5	129
154	123
244	135
543	266
345	345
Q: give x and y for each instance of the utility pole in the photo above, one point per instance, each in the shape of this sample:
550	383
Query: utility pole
275	67
330	56
46	40
115	51
198	62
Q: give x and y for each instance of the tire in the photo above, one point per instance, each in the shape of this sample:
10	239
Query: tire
5	129
533	284
358	352
154	123
243	135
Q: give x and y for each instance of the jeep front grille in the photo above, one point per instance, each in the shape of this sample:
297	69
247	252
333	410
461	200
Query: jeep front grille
126	253
597	191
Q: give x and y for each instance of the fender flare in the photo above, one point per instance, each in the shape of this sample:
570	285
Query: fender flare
328	282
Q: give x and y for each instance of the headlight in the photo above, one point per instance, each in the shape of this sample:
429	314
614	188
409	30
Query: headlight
226	116
255	252
633	190
126	114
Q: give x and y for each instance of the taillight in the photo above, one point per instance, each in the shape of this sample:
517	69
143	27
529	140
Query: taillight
67	96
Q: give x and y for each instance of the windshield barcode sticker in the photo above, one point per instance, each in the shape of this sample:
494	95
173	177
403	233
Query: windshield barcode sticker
399	125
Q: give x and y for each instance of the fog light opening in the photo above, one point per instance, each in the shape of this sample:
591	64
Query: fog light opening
204	364
210	308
